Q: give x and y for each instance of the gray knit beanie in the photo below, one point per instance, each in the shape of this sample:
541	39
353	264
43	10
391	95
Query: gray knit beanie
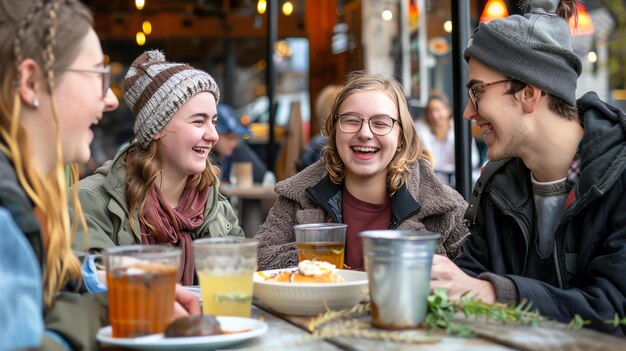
155	89
535	49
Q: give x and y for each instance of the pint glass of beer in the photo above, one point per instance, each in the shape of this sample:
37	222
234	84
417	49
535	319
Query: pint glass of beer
321	242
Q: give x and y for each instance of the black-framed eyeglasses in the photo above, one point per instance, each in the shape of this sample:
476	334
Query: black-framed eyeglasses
380	125
473	91
105	72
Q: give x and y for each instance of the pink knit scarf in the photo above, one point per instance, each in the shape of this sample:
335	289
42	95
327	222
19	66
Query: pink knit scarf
175	231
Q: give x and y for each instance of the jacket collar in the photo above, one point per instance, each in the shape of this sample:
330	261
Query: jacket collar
327	195
403	206
604	151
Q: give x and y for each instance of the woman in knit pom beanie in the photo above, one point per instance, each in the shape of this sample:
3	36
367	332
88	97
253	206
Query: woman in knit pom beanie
161	189
547	214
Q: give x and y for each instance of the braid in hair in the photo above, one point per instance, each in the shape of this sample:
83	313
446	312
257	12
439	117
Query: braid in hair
61	263
27	20
12	138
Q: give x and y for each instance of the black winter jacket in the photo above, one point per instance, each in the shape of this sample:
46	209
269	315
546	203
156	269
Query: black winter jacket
586	273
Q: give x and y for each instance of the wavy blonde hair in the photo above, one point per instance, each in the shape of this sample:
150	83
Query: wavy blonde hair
142	168
411	147
50	33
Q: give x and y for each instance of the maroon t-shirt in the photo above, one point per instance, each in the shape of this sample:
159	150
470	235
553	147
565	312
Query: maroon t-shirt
359	216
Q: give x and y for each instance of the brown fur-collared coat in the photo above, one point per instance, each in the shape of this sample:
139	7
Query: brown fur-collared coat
423	203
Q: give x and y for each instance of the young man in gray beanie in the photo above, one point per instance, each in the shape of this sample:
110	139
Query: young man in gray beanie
548	214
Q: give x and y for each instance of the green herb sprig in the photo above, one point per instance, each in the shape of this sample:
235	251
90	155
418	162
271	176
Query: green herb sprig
442	312
578	322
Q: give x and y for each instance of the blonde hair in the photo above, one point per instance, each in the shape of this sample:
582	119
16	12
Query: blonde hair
49	34
142	168
324	102
410	146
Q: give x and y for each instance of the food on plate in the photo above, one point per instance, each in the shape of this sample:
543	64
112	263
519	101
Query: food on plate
309	271
193	326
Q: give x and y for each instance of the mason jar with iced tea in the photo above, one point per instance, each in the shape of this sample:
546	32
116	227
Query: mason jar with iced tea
322	242
141	281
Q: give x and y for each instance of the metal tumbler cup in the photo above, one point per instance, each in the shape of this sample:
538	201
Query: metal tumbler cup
398	265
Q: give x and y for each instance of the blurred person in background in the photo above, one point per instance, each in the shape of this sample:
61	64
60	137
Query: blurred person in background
374	174
323	107
436	130
161	189
230	146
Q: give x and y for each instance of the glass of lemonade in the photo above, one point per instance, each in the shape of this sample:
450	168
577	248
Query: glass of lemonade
141	281
225	269
321	242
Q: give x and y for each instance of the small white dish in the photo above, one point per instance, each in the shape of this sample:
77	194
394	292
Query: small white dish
310	299
159	342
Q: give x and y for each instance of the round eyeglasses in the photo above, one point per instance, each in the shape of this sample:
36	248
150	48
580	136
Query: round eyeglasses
105	72
473	91
380	125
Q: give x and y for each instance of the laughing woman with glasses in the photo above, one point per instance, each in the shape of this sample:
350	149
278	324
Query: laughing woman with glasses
375	174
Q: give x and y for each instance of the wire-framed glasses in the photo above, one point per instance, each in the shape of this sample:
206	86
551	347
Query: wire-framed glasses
379	124
105	72
473	91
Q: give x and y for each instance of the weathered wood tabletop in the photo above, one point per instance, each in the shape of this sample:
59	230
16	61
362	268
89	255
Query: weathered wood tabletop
489	336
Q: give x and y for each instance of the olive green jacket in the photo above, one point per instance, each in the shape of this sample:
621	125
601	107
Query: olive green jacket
103	198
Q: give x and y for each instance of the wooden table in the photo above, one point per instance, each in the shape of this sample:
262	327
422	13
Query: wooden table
248	203
490	337
290	333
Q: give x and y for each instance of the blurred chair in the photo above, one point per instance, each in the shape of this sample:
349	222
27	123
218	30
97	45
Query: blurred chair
294	144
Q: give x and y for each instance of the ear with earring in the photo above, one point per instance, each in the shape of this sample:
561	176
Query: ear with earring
35	102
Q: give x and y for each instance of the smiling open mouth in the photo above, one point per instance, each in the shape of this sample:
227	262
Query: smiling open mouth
365	150
200	150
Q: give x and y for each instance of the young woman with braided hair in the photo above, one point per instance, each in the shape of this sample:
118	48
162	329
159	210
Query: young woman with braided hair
54	86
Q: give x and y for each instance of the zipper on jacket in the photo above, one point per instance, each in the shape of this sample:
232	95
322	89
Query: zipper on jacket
575	208
557	263
497	199
396	222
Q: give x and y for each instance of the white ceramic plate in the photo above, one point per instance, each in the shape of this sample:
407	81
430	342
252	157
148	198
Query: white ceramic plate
159	342
310	299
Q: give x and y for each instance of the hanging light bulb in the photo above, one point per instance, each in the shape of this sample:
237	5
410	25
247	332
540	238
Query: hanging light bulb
387	15
287	8
261	6
139	4
147	27
585	25
141	38
447	26
592	57
493	10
